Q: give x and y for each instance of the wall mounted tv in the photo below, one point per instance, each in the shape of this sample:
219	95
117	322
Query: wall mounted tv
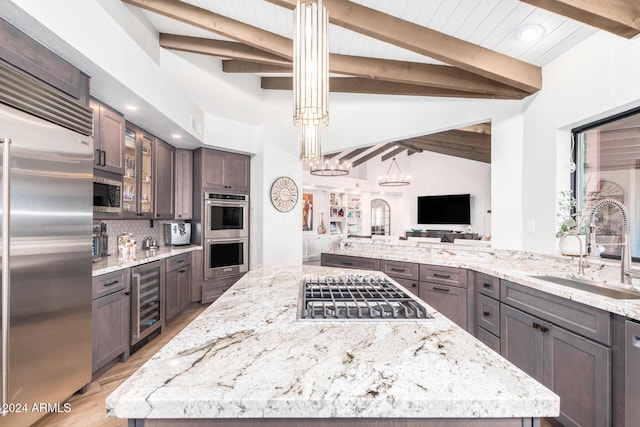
447	209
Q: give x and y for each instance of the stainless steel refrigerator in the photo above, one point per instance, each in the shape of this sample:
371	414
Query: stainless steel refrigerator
46	205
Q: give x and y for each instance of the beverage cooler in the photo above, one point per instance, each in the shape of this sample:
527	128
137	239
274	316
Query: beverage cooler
147	300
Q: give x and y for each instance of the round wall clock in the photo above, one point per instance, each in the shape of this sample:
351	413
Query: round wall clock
284	194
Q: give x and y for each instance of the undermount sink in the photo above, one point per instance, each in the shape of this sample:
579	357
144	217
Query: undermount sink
589	286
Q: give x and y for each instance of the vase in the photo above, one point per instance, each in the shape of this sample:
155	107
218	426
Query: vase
570	244
321	228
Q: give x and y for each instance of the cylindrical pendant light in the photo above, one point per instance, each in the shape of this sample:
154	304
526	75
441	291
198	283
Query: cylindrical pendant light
310	75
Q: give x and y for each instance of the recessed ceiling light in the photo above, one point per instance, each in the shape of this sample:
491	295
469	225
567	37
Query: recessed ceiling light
131	107
530	32
176	135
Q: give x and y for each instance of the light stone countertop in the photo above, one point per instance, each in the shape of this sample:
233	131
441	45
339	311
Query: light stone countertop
246	356
515	266
114	263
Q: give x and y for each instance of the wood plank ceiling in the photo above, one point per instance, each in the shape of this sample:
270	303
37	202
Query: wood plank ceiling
441	48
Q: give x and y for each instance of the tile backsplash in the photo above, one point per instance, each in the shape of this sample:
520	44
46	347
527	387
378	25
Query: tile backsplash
140	229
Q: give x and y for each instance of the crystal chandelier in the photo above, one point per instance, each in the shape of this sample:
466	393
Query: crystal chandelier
310	75
329	167
394	180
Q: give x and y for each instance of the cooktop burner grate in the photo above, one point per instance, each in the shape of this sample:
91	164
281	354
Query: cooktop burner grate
357	297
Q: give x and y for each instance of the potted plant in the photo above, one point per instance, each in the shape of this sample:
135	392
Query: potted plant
573	220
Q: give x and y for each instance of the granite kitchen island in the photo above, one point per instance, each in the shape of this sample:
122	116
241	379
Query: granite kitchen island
247	360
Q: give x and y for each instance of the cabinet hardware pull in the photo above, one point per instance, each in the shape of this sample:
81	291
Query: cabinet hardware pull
99	158
435	288
486	313
444	276
544	329
346	263
397	269
487	285
183	270
536	325
111	283
414	285
104	158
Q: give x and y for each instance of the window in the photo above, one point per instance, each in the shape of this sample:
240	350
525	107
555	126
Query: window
607	157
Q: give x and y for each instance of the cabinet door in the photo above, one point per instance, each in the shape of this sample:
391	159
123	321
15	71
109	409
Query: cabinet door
451	301
108	138
110	320
145	178
171	298
236	172
163	164
130	178
184	184
184	287
579	371
520	341
213	169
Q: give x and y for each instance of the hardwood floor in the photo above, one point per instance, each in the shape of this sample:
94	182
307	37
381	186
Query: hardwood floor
89	409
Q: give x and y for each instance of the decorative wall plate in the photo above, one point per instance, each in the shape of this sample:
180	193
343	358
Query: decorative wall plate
284	194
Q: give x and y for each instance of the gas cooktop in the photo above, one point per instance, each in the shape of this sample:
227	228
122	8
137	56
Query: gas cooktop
357	297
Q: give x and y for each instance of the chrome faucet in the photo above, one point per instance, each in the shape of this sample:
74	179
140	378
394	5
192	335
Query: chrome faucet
625	259
582	261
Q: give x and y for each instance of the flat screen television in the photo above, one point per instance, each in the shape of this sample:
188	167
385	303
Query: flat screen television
447	209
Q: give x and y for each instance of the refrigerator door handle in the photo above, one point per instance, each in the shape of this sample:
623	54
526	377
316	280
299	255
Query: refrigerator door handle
6	161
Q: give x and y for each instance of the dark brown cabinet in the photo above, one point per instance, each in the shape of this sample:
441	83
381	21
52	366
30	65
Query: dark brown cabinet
213	289
163	160
564	345
177	285
345	261
138	181
110	318
225	171
108	138
487	310
445	289
184	184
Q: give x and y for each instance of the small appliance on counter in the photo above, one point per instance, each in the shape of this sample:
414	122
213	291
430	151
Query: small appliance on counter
150	244
177	233
100	241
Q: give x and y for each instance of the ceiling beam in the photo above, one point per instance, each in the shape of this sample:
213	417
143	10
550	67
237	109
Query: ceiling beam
221	48
236	66
478	128
371	155
219	24
376	86
353	153
620	17
398	71
460	137
434	44
435	76
464	152
393	153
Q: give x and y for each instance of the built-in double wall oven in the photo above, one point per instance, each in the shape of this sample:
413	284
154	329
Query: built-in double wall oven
226	232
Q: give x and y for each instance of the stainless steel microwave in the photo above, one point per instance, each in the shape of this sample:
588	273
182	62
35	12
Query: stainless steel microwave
107	195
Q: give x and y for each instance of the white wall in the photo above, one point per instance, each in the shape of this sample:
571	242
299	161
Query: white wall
594	80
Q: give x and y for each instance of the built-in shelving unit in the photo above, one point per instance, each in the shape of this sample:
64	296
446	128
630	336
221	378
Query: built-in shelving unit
337	213
354	214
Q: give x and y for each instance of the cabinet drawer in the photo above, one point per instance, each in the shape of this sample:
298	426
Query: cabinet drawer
488	314
109	283
177	261
488	339
451	301
346	261
444	275
213	289
488	285
587	321
399	269
409	285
